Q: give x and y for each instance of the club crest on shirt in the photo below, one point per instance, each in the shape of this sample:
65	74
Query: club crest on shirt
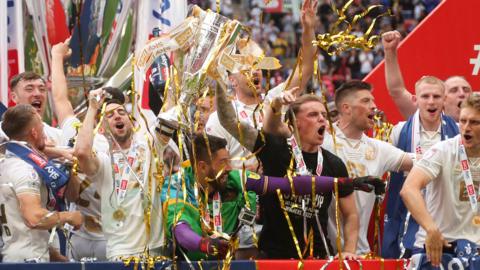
253	175
370	153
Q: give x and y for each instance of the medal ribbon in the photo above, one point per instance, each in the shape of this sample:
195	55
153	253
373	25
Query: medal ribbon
467	176
301	166
121	180
217	215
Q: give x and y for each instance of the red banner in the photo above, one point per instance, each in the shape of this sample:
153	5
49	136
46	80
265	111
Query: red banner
274	6
317	264
13	69
444	44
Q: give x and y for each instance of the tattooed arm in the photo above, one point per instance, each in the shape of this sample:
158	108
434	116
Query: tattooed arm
246	134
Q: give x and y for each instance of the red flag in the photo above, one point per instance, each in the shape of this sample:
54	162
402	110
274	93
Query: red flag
56	22
442	45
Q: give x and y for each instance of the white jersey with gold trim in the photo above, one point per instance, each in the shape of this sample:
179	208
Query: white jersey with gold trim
446	197
364	157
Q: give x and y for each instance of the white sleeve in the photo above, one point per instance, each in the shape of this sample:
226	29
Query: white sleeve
432	161
53	134
396	133
213	126
328	143
390	156
25	179
68	129
103	161
274	92
100	143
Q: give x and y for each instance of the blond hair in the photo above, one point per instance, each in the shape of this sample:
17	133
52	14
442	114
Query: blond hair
430	80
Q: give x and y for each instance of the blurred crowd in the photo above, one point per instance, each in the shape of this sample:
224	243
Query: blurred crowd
279	34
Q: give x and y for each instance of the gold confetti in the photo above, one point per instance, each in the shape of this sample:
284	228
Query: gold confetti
341	40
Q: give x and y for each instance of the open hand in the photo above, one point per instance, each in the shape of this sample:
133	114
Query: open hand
309	13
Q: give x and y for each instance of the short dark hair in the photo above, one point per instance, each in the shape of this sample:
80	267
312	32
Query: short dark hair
25	76
116	94
17	120
205	146
348	88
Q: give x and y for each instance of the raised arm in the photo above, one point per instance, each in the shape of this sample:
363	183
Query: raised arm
63	107
87	161
393	75
273	123
226	115
308	19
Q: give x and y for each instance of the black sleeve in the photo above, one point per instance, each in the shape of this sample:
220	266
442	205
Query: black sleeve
274	153
338	169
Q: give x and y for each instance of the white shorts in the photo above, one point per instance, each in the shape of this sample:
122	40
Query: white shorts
153	252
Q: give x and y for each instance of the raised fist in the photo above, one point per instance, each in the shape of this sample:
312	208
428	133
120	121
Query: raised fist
390	40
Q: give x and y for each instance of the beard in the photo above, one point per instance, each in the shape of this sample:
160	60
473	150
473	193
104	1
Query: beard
123	138
217	184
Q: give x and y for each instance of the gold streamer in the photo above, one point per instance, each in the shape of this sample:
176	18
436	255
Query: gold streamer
147	262
102	116
376	231
341	40
310	239
337	220
290	226
316	71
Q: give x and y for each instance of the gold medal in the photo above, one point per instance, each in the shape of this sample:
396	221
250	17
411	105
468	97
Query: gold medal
119	215
476	220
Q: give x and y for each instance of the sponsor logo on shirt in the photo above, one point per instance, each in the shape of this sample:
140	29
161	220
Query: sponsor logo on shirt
38	160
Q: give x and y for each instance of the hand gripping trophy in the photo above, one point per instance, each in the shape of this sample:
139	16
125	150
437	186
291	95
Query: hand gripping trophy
200	43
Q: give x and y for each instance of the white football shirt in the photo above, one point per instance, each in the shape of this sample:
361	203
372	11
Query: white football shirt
130	235
446	197
364	157
20	242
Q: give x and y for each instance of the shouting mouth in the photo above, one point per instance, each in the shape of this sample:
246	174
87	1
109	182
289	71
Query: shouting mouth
431	110
321	130
37	104
119	125
467	137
